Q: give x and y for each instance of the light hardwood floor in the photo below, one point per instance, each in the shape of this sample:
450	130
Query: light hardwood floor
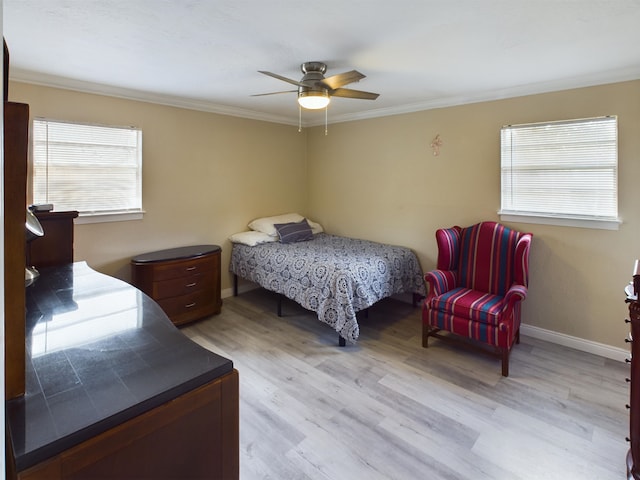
386	408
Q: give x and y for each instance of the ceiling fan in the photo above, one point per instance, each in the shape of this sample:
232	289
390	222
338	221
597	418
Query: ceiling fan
315	91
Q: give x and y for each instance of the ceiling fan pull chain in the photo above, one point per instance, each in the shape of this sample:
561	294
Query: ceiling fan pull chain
326	110
299	118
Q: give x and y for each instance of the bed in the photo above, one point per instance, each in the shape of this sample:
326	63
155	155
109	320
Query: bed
331	275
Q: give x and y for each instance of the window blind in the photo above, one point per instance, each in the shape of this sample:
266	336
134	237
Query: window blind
93	169
565	169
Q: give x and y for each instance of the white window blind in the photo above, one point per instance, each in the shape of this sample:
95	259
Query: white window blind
93	169
565	169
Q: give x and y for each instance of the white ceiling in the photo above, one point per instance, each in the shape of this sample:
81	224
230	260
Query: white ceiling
417	54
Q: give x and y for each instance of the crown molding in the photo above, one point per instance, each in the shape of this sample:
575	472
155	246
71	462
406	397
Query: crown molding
65	83
601	78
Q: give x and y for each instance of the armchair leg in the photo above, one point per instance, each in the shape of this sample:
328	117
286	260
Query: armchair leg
505	362
425	336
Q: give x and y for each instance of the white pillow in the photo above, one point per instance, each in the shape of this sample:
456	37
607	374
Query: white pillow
251	238
265	224
315	227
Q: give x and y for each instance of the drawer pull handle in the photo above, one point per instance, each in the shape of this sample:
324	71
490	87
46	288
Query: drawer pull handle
191	284
189	305
190	269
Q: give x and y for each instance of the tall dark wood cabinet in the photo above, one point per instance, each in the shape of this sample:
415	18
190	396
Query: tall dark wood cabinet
56	246
633	456
16	139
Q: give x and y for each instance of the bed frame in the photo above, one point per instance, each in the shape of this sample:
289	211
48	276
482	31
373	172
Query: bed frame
416	300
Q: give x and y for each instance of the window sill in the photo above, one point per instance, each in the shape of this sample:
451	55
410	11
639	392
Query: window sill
84	218
561	221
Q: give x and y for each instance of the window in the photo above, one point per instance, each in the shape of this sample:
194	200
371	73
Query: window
94	169
563	173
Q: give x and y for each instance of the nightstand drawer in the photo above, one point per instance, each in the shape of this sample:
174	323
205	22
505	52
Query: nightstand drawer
183	268
183	285
187	307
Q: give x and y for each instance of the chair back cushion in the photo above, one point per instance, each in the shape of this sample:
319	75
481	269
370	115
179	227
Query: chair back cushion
487	258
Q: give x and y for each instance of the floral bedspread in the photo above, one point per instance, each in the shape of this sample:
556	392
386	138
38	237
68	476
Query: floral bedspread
331	275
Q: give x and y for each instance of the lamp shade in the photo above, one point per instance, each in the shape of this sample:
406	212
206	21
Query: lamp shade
33	227
314	99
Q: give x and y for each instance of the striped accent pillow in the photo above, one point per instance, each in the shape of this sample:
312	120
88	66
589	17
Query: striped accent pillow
294	231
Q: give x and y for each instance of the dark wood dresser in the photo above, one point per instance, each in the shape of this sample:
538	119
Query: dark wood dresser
115	390
185	281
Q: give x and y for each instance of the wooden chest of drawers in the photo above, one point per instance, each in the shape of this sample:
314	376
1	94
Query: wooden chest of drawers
184	281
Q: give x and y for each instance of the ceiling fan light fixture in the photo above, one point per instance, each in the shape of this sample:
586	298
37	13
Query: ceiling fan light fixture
314	99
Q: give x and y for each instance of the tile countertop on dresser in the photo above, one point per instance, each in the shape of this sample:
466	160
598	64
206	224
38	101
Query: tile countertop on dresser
99	352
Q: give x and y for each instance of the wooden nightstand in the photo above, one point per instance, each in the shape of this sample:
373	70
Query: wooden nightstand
185	281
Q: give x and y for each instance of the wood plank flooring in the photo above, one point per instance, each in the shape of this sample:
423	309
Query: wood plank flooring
386	408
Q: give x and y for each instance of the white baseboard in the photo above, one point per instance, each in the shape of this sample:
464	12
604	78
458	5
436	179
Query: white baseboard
581	344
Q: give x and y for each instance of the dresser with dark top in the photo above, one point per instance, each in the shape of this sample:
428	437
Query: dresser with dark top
185	281
115	390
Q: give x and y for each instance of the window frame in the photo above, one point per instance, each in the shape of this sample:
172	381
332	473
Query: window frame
92	216
608	221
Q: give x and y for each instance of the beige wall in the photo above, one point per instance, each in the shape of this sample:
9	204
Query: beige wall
206	175
378	179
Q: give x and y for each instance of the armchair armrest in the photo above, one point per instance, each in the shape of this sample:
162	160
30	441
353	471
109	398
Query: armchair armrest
440	281
516	293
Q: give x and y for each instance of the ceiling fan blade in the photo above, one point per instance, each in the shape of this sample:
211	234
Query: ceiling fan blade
273	93
340	79
284	79
349	93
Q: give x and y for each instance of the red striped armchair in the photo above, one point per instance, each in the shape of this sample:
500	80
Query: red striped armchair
478	287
